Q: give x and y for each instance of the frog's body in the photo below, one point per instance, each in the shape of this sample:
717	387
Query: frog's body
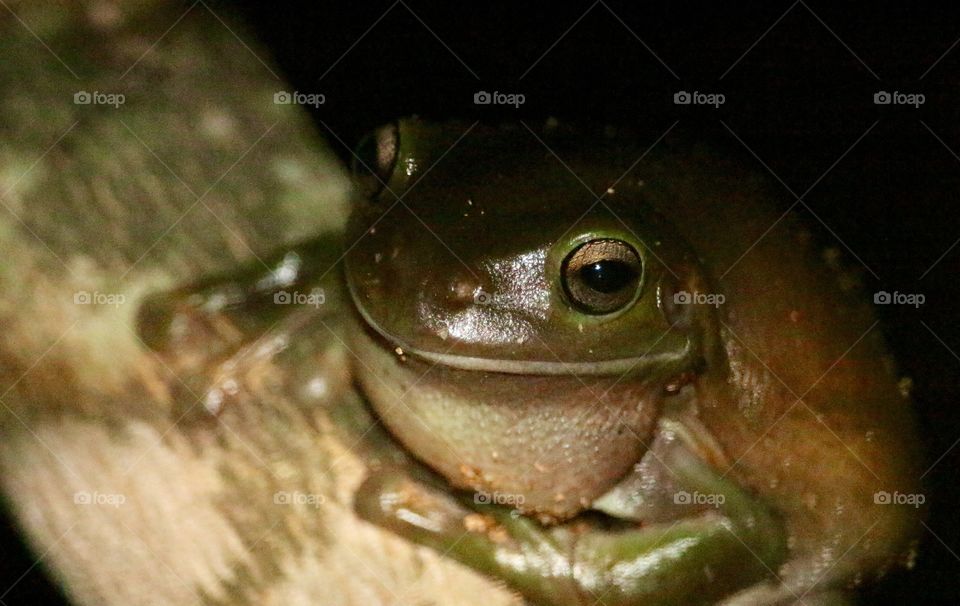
497	367
494	364
789	374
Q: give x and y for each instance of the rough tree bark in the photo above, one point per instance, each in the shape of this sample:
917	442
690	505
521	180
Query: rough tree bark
195	172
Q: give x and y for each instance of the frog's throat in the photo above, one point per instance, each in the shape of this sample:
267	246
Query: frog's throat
665	363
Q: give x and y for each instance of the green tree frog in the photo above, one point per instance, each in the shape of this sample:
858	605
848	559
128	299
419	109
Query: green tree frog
597	374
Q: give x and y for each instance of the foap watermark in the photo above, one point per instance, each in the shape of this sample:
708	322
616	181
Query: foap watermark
683	97
883	297
883	497
83	297
883	97
282	97
482	97
311	499
315	297
682	297
82	97
698	498
482	497
482	297
112	499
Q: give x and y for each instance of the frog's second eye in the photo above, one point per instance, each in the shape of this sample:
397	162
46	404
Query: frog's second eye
374	159
602	276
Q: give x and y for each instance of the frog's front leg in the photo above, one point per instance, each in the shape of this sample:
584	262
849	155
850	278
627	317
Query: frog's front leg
699	558
210	333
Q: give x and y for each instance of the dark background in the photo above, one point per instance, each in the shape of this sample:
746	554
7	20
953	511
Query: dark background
800	98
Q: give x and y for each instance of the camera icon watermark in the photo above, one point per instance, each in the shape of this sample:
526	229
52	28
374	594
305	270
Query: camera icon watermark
883	297
883	497
83	297
84	497
683	497
883	97
497	98
282	97
482	297
310	499
83	97
315	297
682	297
697	98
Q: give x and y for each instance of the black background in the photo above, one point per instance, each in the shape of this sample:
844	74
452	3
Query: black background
799	80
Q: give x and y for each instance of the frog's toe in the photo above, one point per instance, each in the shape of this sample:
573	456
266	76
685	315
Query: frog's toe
490	539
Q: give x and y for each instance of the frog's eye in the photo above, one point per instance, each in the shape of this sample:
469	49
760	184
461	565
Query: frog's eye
374	159
602	276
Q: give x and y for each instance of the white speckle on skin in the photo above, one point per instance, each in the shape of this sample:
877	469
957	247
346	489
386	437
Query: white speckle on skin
230	387
317	387
218	125
411	166
215	303
213	403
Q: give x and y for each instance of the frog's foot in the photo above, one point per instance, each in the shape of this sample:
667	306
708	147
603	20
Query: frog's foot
731	543
490	539
699	558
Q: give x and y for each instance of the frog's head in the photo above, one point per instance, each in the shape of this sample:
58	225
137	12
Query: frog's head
519	334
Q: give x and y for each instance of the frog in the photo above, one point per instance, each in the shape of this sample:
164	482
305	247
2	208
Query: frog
585	370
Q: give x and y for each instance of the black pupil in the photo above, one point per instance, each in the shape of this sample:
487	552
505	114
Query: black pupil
607	276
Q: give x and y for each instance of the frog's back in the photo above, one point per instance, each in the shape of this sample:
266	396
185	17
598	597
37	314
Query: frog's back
803	395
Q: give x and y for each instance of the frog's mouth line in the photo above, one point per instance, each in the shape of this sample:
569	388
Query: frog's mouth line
536	367
636	364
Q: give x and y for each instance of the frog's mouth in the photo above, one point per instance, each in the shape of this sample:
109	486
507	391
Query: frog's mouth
527	409
679	361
